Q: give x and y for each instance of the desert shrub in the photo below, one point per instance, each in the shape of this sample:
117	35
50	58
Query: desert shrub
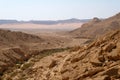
13	74
52	51
9	78
88	41
76	48
26	65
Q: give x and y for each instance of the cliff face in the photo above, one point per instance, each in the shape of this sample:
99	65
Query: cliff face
97	27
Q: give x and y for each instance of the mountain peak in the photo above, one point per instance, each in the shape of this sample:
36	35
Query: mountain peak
95	19
117	15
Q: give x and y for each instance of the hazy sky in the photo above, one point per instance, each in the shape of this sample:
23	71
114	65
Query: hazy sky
57	9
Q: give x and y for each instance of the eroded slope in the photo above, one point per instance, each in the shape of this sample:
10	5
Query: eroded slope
99	60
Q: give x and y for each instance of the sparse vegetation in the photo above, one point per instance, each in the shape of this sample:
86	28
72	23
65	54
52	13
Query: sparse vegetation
75	48
89	41
26	65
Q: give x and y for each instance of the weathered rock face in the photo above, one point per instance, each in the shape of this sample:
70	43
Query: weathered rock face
100	60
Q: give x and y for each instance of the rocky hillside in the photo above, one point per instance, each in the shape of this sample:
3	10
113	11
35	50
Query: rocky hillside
13	49
9	57
99	60
16	47
8	37
97	27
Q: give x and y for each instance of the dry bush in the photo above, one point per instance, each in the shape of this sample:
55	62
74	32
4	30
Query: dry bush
26	65
89	41
76	48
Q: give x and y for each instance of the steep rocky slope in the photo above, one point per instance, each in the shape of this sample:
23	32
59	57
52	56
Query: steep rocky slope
97	27
99	60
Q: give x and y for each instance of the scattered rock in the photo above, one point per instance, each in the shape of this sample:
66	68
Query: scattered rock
52	63
109	47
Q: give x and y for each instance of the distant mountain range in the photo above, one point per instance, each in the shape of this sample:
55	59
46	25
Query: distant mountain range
46	22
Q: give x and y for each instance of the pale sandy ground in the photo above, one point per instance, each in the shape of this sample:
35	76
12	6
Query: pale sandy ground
66	26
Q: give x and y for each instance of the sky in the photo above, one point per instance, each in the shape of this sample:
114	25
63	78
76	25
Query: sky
57	9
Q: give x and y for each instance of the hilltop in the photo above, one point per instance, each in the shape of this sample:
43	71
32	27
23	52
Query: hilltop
8	37
97	27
